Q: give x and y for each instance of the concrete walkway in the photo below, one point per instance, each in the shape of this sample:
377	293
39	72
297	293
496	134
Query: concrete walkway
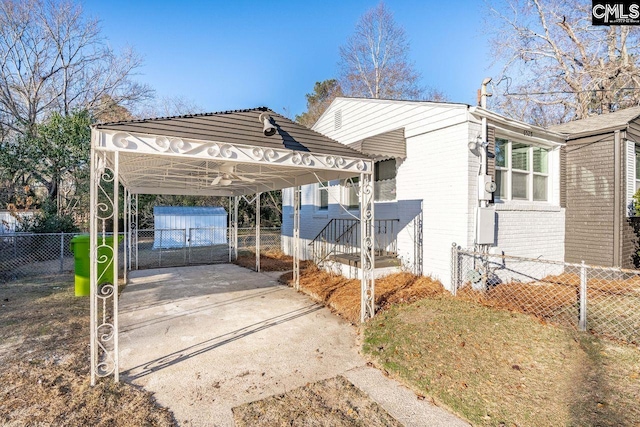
206	339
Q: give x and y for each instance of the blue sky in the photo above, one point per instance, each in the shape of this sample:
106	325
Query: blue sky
242	54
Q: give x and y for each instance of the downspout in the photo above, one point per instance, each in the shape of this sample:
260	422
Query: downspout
617	199
483	149
483	203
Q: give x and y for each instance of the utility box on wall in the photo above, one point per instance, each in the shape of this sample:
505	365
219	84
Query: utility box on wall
486	187
486	231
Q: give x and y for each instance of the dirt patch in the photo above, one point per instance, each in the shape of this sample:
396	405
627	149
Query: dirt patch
269	261
333	402
343	295
44	363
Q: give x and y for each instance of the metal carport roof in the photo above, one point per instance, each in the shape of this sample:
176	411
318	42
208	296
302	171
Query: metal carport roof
232	153
185	154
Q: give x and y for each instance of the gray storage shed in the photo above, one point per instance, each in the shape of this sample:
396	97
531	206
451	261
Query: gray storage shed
179	226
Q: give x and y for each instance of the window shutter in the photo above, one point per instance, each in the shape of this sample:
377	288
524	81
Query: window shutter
491	148
630	175
563	177
491	161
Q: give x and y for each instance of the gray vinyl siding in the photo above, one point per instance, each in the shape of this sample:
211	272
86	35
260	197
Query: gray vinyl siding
589	184
563	173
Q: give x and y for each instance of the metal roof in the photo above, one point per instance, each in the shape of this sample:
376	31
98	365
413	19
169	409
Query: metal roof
238	127
618	119
189	210
222	154
385	145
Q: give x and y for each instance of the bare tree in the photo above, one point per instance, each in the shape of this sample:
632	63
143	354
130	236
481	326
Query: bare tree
374	62
54	59
558	66
168	106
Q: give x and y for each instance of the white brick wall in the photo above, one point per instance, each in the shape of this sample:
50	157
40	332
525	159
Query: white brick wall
530	231
435	174
436	183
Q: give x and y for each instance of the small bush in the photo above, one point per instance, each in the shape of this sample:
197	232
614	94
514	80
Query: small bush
47	221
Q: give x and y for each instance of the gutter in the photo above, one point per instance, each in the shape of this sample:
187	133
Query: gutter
550	136
601	131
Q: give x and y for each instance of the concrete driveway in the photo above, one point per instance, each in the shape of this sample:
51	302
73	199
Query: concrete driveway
208	338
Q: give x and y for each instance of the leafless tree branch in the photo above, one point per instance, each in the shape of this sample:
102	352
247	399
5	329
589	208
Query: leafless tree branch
569	68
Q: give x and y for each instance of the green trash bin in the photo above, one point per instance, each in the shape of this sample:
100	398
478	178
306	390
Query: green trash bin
82	262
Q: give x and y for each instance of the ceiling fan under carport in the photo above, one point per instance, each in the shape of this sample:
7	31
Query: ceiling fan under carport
227	175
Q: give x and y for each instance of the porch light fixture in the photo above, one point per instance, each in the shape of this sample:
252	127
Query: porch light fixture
477	144
268	128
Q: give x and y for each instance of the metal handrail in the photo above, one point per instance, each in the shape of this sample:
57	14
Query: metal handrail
328	242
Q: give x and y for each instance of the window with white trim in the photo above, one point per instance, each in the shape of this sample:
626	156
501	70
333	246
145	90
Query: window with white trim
323	196
637	168
522	171
351	197
384	186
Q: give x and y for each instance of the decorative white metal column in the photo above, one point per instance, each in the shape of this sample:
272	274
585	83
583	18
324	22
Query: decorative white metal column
103	252
126	253
296	237
133	231
230	229
367	255
258	231
235	226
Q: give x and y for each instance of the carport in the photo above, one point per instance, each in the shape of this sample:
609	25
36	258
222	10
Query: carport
239	153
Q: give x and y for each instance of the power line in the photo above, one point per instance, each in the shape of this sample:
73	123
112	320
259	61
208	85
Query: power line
567	92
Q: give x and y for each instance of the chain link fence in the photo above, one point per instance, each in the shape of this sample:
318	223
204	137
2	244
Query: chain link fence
26	254
605	301
270	240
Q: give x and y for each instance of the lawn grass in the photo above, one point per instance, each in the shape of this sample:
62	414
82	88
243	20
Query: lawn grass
44	363
495	367
491	361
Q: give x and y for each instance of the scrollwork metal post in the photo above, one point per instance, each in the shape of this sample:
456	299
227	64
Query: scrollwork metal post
236	199
296	237
103	252
132	203
126	253
258	231
367	254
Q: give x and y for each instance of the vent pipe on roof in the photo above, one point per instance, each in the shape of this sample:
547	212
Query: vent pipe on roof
268	128
483	95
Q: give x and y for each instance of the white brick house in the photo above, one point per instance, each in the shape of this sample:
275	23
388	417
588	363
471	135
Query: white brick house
432	192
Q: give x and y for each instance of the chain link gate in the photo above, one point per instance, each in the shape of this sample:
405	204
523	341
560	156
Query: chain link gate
208	245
